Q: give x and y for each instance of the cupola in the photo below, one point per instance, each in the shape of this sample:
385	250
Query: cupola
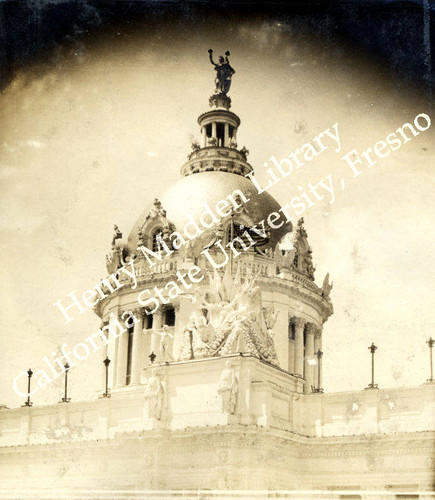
218	149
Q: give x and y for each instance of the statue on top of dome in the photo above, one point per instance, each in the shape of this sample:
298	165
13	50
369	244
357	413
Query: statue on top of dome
224	72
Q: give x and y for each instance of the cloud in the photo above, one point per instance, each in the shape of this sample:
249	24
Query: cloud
25	224
30	143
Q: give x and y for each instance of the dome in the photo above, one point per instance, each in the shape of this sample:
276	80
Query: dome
188	195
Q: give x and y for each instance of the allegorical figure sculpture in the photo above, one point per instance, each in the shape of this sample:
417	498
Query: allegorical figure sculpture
227	388
154	394
164	344
229	319
224	72
326	288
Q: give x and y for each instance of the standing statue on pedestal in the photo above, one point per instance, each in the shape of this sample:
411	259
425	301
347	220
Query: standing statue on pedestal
227	388
154	394
224	72
164	348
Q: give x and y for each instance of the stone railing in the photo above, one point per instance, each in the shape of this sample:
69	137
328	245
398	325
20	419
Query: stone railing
371	411
144	270
306	283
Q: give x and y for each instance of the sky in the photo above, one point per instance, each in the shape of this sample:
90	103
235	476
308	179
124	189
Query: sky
89	138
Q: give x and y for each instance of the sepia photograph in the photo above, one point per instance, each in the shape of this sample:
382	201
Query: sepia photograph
217	250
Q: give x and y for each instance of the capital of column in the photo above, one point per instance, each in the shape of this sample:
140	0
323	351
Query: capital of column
139	312
299	322
115	312
121	312
311	329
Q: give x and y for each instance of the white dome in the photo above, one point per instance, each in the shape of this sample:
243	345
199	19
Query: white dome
189	194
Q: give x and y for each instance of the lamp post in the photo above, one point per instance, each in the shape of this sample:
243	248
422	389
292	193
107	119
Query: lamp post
29	375
430	343
319	355
372	385
106	393
65	398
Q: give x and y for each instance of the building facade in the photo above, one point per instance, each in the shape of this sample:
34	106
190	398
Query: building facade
216	382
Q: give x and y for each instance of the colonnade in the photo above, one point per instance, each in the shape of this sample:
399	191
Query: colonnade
303	357
129	353
226	138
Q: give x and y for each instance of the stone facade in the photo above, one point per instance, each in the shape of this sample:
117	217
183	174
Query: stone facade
274	437
223	392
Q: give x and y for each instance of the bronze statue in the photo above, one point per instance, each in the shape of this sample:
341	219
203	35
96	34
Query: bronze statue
224	72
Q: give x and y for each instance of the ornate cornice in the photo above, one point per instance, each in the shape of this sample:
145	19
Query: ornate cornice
309	294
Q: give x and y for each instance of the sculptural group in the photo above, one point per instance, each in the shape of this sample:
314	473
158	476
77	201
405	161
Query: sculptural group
229	318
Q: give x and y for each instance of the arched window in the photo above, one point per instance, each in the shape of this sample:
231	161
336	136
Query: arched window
239	231
236	231
158	233
296	260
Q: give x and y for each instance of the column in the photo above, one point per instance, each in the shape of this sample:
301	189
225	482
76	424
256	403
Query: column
319	361
309	357
227	135
155	337
111	352
204	137
299	346
146	340
316	348
183	312
291	347
121	362
213	130
136	355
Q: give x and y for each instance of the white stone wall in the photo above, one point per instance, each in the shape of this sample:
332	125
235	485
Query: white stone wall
266	396
276	437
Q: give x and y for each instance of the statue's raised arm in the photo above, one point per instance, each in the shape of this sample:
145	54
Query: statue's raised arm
224	72
210	54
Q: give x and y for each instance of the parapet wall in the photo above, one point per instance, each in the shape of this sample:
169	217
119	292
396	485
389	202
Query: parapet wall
191	396
180	430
